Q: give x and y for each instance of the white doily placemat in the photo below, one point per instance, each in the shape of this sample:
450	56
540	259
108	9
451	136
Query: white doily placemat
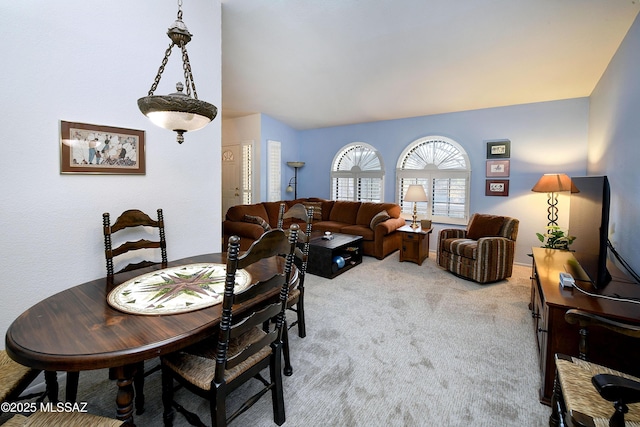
175	290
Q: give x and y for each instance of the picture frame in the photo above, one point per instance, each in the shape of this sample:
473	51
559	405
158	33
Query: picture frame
497	187
499	149
98	149
498	168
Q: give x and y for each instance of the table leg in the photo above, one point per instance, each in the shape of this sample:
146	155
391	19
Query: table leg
124	400
138	385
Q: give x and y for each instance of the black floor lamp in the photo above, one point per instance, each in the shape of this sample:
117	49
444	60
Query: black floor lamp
294	180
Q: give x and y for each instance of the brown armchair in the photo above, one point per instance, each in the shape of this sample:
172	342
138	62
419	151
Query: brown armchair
483	252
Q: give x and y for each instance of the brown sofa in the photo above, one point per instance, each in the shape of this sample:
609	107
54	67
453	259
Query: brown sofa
336	216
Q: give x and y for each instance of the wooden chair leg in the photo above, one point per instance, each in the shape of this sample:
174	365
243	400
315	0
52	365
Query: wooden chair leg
288	370
277	391
217	403
72	386
556	408
51	381
167	397
302	330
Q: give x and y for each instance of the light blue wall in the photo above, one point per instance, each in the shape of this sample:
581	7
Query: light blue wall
614	143
272	129
545	137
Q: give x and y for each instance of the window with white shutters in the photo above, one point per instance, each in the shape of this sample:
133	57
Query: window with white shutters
357	174
274	182
442	166
247	175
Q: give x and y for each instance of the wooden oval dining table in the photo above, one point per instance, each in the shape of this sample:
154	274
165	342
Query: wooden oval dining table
77	329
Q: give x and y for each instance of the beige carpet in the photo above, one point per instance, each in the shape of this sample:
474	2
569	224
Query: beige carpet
393	344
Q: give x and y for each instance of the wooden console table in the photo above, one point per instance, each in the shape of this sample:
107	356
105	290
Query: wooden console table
549	303
415	244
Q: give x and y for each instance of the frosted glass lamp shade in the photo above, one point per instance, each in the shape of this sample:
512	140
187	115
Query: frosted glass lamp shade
177	112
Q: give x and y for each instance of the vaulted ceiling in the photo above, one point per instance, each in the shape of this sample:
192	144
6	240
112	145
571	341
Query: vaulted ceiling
319	63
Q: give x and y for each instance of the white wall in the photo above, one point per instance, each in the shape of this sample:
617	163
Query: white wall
89	62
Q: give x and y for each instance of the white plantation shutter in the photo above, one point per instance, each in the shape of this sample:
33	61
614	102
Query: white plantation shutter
274	165
442	167
357	174
247	173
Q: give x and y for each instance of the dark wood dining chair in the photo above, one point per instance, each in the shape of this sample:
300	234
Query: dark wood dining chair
131	224
133	220
14	379
295	302
588	394
247	341
128	223
63	419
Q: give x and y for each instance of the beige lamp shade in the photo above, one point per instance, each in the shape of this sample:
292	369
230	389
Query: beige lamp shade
554	183
416	193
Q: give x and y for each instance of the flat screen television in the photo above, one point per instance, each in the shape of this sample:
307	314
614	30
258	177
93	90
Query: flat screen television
589	223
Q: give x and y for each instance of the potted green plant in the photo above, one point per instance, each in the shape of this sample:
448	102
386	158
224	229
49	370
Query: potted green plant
556	238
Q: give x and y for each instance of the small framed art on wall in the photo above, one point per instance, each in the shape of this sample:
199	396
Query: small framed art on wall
496	187
96	149
499	149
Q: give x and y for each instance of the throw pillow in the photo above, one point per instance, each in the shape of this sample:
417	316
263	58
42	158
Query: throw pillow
257	220
317	209
378	218
485	226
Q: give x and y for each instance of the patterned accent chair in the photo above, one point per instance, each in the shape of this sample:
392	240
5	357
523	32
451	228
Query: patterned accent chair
483	252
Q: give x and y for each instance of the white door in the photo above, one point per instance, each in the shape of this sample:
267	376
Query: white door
231	177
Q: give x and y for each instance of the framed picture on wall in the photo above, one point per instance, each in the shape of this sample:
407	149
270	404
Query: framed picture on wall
496	187
497	168
97	149
499	149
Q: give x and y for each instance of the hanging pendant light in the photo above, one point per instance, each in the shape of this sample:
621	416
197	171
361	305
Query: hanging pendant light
178	111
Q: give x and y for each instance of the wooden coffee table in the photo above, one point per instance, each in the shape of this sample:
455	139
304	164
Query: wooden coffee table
322	252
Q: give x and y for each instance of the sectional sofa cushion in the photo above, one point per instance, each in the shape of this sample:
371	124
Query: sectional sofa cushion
484	226
237	213
345	211
317	209
257	220
378	218
369	210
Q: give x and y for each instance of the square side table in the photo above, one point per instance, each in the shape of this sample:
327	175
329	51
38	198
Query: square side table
415	244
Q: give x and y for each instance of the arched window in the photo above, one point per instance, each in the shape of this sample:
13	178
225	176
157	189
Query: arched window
357	173
442	166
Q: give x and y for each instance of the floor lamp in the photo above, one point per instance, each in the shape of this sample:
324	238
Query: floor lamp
415	193
553	183
294	189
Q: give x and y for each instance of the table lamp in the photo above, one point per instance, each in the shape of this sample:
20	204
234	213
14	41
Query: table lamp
552	183
415	193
